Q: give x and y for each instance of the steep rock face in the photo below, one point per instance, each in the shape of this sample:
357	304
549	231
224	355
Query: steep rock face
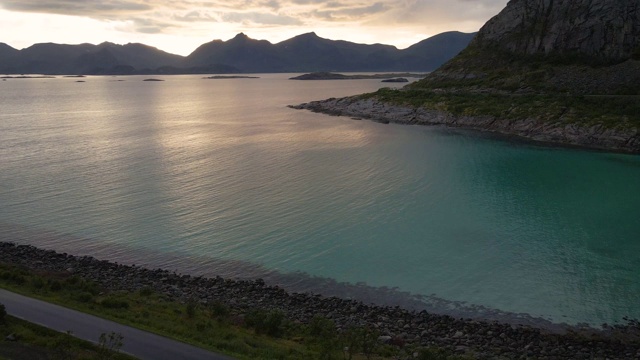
600	30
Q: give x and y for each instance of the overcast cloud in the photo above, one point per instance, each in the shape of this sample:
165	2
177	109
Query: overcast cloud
355	19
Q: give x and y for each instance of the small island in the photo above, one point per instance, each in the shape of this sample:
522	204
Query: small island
396	80
336	76
218	77
28	77
152	80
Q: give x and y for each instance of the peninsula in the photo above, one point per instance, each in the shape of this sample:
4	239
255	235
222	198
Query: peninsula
559	72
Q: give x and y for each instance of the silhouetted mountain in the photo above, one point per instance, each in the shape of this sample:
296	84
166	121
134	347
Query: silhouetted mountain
7	55
304	53
106	58
7	51
311	53
141	56
242	52
435	50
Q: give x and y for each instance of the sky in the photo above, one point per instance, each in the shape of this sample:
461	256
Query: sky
180	26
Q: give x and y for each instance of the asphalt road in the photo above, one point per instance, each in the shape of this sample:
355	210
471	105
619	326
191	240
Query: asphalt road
141	344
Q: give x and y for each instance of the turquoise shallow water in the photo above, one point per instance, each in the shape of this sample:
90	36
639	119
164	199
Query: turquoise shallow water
223	170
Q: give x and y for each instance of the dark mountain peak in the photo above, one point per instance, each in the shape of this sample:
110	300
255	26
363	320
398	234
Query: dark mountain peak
7	52
307	38
139	46
243	40
450	35
7	47
309	35
447	39
241	37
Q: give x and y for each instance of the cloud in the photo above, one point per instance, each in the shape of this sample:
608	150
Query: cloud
339	12
257	18
87	8
378	20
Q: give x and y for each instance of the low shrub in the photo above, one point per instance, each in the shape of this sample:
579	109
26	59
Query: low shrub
84	297
270	323
55	285
191	309
114	304
37	283
219	310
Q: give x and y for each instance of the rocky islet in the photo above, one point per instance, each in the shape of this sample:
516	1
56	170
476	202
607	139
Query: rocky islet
596	136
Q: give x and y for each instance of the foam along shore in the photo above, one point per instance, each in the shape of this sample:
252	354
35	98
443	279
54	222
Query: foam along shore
598	136
396	325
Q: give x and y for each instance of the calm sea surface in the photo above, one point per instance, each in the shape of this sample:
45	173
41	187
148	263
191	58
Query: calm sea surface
216	176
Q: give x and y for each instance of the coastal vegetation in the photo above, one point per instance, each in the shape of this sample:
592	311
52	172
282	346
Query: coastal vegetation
252	320
256	334
588	110
24	340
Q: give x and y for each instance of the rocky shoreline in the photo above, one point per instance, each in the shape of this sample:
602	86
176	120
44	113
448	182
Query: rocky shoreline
592	137
486	340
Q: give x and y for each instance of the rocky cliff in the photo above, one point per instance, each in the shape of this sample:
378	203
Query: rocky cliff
549	37
582	47
599	30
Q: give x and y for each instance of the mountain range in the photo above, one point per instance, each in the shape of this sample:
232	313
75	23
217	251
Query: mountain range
303	53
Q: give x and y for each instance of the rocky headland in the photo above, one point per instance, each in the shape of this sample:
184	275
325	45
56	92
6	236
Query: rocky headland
565	72
595	136
483	339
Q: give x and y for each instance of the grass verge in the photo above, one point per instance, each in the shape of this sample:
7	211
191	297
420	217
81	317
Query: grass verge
255	334
35	342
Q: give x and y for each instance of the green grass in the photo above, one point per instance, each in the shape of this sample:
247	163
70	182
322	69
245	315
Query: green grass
258	334
554	87
610	111
36	342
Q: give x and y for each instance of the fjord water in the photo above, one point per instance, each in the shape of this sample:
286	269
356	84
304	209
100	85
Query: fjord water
191	169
